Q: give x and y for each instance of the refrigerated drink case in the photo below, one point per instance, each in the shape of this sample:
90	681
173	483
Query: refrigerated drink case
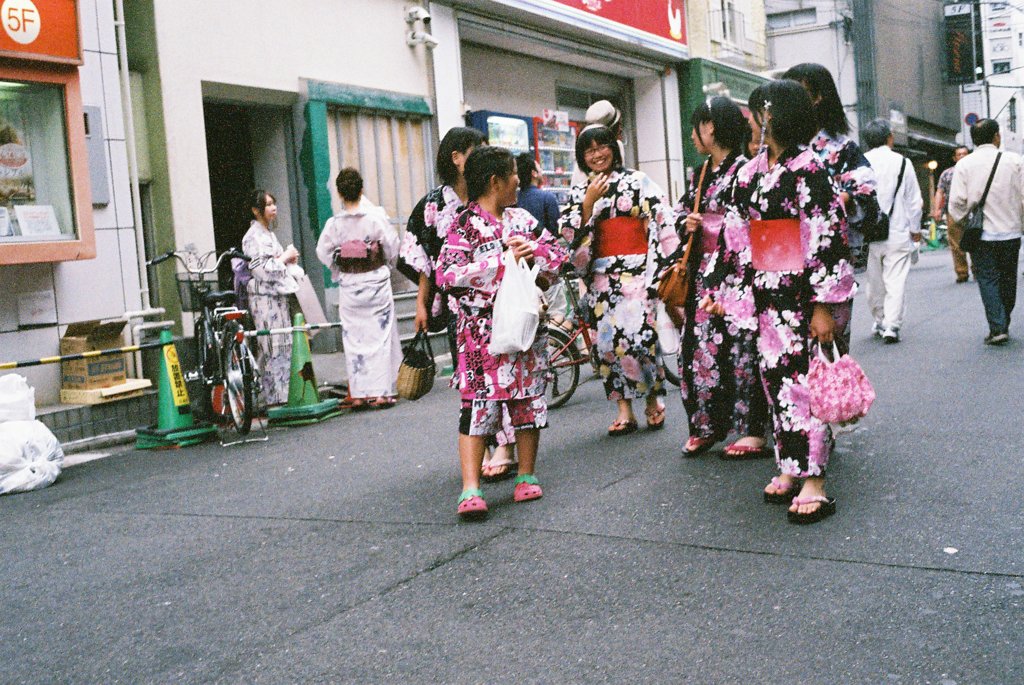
556	153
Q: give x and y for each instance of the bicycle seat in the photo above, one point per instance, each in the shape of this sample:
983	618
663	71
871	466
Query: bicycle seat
219	298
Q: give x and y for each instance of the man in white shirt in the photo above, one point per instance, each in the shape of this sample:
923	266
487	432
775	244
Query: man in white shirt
899	196
996	258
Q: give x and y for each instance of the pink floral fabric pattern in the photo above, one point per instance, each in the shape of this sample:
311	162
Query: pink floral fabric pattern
425	233
719	382
796	187
622	290
840	391
470	269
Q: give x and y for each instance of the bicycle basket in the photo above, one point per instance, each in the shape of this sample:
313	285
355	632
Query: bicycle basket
193	287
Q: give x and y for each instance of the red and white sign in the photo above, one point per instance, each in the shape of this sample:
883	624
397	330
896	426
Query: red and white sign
665	19
44	30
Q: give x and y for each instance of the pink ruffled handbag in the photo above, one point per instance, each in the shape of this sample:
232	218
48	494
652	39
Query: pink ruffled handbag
840	391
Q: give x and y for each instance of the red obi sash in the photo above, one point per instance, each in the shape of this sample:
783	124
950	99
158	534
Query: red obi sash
710	228
775	245
621	235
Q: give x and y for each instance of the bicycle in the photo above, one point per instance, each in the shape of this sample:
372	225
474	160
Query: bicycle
224	363
565	357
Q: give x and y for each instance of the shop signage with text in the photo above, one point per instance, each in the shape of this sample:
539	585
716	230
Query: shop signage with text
44	30
662	18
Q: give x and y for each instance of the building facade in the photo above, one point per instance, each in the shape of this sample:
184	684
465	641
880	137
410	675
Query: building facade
234	103
68	249
543	64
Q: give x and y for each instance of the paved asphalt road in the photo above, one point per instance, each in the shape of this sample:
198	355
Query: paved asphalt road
332	553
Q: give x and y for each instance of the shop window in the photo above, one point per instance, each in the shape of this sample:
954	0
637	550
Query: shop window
36	197
391	151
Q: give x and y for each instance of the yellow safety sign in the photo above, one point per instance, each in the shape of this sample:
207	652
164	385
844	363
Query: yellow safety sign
178	390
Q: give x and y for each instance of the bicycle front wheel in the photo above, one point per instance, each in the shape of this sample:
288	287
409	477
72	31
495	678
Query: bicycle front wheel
564	360
238	380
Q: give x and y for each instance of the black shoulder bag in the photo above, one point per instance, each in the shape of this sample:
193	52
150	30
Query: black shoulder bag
975	221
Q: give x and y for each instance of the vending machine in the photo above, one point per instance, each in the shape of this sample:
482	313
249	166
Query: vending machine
555	138
504	130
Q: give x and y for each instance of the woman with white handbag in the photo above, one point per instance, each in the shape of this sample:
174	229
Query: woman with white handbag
483	244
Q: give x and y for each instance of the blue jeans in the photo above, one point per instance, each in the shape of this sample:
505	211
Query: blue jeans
996	264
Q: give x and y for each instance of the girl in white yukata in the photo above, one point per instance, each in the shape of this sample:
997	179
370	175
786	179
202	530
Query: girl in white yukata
359	247
274	271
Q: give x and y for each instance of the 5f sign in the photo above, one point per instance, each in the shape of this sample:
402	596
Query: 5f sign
21	20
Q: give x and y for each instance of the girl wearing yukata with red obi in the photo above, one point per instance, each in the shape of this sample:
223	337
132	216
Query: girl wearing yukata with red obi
621	232
787	263
470	269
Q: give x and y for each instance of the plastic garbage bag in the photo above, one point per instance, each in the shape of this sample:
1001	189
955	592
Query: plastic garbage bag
17	399
30	456
516	307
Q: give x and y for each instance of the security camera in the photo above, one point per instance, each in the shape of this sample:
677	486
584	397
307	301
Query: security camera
416	13
413	38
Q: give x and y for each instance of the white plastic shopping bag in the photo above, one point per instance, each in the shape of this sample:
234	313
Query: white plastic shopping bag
668	334
30	456
17	399
516	307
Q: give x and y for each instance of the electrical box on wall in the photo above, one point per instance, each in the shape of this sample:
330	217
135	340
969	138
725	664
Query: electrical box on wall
97	148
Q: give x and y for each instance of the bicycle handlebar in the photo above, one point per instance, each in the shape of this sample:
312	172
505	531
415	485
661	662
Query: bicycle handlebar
161	258
233	253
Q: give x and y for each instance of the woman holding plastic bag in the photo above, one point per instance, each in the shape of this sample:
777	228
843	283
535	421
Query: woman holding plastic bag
622	237
470	268
785	248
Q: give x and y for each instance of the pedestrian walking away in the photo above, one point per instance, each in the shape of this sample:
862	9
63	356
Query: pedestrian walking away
471	268
995	258
953	229
359	247
785	245
274	272
845	162
719	381
622	237
889	260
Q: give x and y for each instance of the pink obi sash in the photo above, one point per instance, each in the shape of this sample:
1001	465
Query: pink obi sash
775	245
710	228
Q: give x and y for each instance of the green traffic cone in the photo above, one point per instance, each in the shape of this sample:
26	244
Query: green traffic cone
304	404
175	411
175	426
302	390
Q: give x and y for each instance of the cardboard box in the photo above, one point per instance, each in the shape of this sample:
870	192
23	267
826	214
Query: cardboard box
133	387
96	372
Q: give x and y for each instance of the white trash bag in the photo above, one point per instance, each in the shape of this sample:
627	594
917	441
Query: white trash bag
17	399
516	307
30	456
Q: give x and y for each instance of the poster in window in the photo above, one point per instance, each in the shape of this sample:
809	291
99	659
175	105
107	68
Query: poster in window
16	182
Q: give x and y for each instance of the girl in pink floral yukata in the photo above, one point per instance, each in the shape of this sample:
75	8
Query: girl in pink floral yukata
787	263
469	269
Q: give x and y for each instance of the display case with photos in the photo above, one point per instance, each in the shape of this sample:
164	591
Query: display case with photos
35	185
45	210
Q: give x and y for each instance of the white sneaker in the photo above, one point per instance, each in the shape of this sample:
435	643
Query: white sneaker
876	329
890	336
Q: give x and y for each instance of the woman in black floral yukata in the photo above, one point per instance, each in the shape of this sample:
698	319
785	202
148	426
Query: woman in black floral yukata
787	262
